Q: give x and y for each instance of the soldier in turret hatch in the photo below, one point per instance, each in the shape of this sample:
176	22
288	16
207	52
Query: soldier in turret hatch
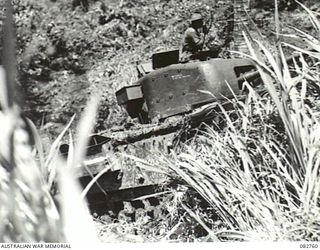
194	37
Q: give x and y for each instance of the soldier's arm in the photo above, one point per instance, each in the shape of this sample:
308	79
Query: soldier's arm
195	39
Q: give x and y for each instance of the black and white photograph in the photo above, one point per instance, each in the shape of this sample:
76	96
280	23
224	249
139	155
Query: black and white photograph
128	122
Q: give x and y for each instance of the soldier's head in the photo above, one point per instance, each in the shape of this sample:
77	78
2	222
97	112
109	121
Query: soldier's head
196	21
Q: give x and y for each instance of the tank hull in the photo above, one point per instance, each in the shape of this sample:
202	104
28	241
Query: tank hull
180	88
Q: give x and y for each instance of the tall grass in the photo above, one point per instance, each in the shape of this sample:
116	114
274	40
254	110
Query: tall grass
260	171
28	210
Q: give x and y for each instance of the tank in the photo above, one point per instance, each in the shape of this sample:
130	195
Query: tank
168	88
167	94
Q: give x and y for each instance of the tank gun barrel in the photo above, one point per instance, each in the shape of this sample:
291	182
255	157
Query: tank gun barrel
254	75
250	76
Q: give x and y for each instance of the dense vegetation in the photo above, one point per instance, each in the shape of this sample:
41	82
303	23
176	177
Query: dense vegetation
256	171
67	50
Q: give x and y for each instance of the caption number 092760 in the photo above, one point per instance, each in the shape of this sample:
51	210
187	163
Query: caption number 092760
308	245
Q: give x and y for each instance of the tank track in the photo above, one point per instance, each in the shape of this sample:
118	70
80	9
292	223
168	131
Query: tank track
121	188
